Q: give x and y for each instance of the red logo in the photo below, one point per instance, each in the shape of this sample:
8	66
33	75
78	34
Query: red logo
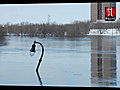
110	13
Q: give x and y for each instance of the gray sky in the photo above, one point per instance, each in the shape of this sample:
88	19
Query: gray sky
61	13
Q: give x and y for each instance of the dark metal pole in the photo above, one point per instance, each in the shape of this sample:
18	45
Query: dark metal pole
39	78
40	56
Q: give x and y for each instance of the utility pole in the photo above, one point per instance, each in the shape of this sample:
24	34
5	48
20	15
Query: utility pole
49	19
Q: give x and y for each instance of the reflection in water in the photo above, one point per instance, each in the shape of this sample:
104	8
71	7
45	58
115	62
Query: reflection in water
103	62
38	75
75	52
3	41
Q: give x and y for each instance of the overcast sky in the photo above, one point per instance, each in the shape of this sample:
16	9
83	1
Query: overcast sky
61	13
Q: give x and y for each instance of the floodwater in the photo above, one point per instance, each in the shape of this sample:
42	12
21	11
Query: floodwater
78	62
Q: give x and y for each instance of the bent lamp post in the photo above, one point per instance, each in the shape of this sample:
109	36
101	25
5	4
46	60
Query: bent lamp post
32	52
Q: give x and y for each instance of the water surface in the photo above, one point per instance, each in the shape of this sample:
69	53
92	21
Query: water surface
80	62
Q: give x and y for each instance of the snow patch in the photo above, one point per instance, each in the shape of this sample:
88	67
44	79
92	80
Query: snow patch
104	32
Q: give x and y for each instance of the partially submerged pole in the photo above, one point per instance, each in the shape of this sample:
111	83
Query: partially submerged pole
41	55
33	51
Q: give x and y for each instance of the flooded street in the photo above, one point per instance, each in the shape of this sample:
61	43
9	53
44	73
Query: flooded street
92	61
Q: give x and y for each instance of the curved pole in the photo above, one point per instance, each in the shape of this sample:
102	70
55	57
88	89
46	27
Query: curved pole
40	56
39	78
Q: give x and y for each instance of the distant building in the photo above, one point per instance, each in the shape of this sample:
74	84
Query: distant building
98	10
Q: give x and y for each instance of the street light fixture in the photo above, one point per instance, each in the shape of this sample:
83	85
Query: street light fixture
32	52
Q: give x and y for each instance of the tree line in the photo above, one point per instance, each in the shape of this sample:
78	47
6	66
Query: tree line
108	25
74	29
2	36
